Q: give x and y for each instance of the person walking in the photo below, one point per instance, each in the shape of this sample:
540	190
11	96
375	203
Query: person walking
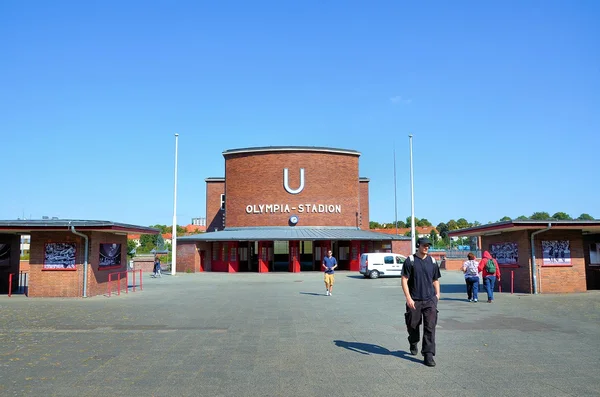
157	269
490	270
329	263
421	287
471	270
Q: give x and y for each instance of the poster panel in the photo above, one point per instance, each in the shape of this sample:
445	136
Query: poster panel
60	256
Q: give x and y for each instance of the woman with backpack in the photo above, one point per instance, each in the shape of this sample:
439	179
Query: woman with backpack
490	272
471	270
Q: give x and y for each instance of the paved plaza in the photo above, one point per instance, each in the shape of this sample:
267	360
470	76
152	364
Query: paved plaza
215	334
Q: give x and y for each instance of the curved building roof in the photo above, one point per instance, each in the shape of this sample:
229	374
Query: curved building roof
274	149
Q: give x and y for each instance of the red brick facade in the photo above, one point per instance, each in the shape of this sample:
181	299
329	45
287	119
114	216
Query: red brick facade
69	283
550	279
331	186
214	214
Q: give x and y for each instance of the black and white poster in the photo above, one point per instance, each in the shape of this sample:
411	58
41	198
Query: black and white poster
4	254
110	255
60	256
556	252
505	253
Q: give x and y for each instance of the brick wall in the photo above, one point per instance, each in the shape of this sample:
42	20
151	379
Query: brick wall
559	279
550	279
214	215
188	257
257	178
364	205
401	247
69	283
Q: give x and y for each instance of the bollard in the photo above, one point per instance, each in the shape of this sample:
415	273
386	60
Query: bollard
108	284
10	284
141	285
133	280
119	284
512	281
126	282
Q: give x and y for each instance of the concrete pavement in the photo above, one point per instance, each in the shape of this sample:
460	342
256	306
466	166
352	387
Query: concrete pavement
215	334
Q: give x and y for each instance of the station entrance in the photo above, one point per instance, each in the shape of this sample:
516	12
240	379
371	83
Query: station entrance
284	256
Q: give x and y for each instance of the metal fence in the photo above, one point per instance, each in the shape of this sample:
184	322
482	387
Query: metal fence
458	254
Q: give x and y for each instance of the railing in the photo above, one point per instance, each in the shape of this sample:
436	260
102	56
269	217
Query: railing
119	276
456	254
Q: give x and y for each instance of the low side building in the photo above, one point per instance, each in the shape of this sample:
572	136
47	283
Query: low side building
543	256
68	258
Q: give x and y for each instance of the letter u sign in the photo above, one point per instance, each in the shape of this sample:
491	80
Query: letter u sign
286	183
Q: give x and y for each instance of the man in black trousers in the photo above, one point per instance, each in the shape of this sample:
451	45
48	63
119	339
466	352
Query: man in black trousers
421	286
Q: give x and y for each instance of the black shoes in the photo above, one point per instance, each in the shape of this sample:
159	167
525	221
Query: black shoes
414	349
429	361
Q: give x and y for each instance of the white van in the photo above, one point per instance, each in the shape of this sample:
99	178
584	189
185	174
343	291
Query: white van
378	264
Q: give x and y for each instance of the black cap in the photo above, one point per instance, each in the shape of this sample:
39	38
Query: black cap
423	240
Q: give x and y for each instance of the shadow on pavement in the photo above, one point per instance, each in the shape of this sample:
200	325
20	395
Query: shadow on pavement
311	293
368	348
453	288
356	276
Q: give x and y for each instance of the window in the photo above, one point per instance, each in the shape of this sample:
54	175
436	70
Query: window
388	260
344	251
400	259
595	254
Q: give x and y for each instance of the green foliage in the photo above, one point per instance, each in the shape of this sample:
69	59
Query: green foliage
442	229
374	225
522	218
540	216
402	225
147	243
562	216
505	219
25	255
423	222
131	246
585	217
452	225
462	223
433	236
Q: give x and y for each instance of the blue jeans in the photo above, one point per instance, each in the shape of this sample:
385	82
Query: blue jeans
472	287
488	283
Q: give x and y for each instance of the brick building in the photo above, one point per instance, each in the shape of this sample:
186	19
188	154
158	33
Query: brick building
543	256
281	209
67	258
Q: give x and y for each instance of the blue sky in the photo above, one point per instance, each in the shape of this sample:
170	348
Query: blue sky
502	97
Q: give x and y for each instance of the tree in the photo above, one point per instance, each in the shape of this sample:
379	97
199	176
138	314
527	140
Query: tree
522	218
462	223
401	225
452	225
408	234
131	246
442	229
585	217
374	225
505	219
562	216
433	236
409	220
423	222
147	242
540	216
476	223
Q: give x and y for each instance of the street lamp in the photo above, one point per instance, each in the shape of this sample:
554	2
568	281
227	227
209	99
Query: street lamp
174	233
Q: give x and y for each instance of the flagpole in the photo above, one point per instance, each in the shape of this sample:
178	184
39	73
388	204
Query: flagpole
174	233
395	192
412	198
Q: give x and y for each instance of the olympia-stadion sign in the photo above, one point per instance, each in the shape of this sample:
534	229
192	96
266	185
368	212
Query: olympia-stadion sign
287	208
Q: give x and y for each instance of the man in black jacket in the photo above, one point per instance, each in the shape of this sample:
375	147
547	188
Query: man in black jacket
421	286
